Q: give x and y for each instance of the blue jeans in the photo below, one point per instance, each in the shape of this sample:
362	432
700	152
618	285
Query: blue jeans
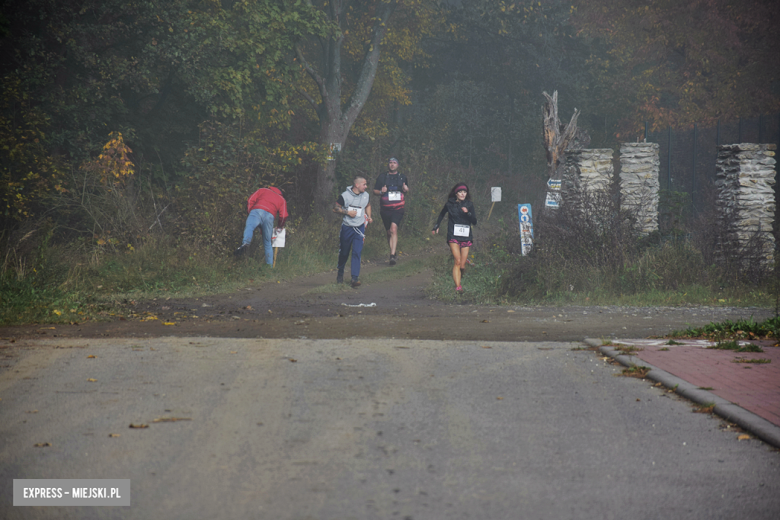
260	217
351	238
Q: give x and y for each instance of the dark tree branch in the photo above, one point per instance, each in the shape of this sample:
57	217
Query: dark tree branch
370	62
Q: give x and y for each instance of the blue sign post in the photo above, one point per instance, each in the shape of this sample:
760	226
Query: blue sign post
526	228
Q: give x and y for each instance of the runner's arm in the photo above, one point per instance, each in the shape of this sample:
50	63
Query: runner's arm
441	217
338	207
472	213
380	182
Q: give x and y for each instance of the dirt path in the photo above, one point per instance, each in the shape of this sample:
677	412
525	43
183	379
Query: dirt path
311	307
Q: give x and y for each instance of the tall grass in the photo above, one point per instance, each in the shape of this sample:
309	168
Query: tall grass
589	252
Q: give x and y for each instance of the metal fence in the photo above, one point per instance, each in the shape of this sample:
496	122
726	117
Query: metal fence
688	155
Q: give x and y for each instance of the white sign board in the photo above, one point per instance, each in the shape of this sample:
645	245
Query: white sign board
495	194
554	184
277	240
553	199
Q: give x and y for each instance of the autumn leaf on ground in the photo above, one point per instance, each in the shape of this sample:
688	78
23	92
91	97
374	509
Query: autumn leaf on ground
42	444
139	425
169	323
485	346
92	380
172	419
91	356
114	434
743	437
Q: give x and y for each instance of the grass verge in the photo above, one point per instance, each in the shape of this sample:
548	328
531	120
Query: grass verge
735	346
640	372
741	329
68	285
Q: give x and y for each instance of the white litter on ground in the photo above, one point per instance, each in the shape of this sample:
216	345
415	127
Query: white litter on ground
360	305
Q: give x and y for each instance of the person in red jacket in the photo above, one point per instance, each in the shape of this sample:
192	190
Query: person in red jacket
263	206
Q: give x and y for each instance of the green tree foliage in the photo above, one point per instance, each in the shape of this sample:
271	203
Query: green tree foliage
151	69
224	168
675	63
488	70
343	67
27	171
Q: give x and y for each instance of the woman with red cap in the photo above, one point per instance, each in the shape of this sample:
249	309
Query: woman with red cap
459	237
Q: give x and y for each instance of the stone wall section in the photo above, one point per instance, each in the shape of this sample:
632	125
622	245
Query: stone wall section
591	169
639	183
746	197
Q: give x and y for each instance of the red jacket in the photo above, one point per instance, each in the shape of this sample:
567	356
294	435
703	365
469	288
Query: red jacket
270	200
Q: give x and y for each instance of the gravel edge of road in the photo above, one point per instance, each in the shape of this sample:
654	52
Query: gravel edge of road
758	426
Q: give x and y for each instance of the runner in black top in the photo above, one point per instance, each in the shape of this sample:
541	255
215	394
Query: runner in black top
392	188
459	237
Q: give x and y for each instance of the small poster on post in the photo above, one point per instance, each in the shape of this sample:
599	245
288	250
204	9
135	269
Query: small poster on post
277	240
526	228
495	194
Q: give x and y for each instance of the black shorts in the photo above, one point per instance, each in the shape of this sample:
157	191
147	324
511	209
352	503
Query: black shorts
391	216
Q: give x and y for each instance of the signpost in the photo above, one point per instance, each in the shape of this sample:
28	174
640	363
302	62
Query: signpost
277	241
553	199
526	228
495	196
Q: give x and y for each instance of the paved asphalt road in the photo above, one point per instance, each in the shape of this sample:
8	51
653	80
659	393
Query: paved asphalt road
359	429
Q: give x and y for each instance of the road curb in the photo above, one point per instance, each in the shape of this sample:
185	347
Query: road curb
758	426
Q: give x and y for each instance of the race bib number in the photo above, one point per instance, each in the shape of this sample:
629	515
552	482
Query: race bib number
393	195
357	209
461	231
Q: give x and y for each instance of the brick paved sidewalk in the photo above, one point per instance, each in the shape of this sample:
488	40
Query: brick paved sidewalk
754	387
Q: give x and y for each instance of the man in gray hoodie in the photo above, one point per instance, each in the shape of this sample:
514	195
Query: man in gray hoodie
354	205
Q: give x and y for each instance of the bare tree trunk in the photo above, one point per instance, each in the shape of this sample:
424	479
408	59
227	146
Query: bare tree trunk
556	138
336	120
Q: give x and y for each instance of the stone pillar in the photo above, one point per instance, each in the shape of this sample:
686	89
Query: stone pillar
640	184
590	169
746	198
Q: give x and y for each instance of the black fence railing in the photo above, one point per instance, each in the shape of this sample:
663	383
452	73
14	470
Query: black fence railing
688	155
